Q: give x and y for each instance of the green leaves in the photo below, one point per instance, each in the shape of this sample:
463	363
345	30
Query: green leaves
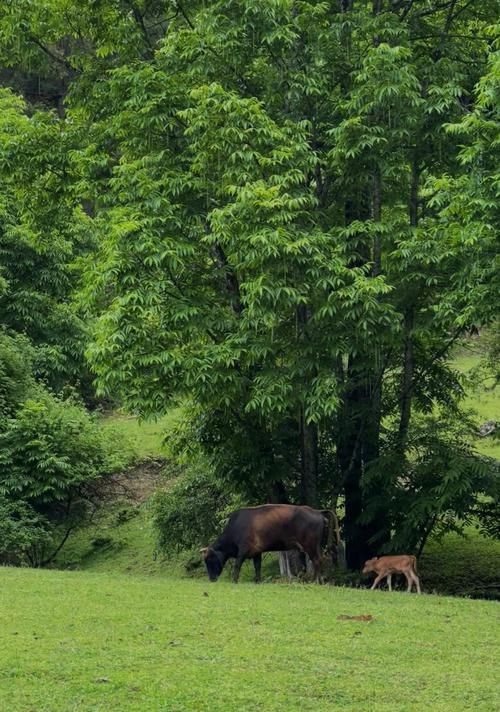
282	211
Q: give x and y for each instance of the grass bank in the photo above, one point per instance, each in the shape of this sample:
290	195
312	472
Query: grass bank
459	565
145	437
81	641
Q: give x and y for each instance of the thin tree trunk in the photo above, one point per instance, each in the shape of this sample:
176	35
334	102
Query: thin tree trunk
284	564
308	434
406	394
407	379
349	464
425	536
376	215
57	549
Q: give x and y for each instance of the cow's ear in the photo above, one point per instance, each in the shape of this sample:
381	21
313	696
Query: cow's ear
204	552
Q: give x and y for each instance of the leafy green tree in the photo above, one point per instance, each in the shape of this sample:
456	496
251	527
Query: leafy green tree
16	378
43	236
279	192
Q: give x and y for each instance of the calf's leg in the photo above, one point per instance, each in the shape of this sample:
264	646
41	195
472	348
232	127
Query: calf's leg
389	581
416	581
377	580
410	581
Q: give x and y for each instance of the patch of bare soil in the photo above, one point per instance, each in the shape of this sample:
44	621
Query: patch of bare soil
138	482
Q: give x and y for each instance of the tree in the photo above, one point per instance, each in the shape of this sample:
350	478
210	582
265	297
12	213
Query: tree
268	184
43	236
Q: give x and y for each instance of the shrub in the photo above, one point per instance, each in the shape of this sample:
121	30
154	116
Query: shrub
53	456
24	534
192	511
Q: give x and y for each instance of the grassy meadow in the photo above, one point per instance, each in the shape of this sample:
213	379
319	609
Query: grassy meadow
85	641
483	397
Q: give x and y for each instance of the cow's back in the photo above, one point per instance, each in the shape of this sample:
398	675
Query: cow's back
275	527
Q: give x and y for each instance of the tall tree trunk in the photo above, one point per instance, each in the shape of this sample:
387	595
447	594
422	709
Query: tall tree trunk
377	531
406	393
308	432
350	466
309	461
359	422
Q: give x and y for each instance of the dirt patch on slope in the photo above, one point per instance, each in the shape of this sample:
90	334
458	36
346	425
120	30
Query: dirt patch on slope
138	482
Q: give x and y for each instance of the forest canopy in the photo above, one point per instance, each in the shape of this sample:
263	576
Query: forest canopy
283	214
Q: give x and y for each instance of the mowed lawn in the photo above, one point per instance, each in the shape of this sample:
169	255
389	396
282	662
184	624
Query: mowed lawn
86	641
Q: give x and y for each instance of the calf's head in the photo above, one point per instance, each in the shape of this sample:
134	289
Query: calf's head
370	565
213	561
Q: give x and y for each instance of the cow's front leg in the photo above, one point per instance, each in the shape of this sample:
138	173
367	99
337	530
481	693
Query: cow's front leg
257	562
237	566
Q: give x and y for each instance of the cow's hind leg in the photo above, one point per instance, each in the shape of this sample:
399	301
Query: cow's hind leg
389	581
315	557
257	562
416	581
410	581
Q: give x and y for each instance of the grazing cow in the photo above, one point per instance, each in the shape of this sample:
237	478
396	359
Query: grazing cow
387	565
270	527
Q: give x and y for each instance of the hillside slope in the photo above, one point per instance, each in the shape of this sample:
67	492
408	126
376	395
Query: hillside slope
123	541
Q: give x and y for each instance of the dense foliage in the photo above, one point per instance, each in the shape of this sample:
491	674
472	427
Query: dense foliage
53	457
43	235
287	213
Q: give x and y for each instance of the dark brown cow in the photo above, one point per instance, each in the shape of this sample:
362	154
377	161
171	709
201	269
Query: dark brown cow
270	527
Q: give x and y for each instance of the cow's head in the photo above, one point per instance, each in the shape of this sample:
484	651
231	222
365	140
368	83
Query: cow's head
370	565
213	561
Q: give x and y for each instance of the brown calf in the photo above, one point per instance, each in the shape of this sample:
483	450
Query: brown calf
387	565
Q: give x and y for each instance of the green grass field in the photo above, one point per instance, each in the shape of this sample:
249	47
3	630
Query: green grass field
85	641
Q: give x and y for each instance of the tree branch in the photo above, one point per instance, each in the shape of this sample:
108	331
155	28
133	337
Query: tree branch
184	14
60	60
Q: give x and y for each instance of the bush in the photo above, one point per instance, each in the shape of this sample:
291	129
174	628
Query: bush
53	456
24	534
192	511
53	446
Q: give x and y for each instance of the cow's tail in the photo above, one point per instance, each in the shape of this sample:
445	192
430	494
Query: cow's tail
333	536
